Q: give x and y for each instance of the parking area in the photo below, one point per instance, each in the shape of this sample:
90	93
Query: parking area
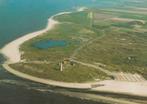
129	77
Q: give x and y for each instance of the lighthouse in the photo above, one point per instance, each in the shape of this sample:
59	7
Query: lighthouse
61	66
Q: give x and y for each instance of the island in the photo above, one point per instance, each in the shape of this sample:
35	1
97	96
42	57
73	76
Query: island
93	49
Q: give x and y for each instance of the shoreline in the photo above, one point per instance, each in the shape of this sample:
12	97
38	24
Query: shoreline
14	56
110	86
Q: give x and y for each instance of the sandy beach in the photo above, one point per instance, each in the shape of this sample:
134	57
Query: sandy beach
14	56
11	50
12	53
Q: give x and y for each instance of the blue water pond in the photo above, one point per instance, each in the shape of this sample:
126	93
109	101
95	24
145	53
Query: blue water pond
45	44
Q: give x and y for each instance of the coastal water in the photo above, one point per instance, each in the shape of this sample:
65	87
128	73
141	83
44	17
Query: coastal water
18	17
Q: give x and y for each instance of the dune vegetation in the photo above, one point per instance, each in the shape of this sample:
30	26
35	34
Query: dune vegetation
112	40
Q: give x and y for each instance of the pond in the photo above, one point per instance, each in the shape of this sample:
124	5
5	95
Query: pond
45	44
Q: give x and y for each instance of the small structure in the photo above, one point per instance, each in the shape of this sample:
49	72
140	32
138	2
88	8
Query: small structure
65	62
97	85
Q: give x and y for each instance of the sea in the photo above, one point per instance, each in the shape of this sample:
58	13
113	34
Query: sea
19	17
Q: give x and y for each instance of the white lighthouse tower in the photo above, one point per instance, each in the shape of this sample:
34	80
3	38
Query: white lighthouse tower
61	66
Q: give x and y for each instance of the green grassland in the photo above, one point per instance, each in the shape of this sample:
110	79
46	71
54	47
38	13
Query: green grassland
76	73
120	45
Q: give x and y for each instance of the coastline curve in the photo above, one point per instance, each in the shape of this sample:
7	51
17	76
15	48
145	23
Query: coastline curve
14	56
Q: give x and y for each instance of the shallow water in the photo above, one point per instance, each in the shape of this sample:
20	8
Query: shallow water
18	17
50	44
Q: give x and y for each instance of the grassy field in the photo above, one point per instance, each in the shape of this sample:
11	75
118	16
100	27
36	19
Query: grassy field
112	38
76	73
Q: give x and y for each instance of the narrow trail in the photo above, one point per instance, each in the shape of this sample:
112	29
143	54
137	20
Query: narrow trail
35	62
81	47
86	44
94	66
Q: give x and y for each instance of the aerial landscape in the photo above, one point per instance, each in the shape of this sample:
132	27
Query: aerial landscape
88	54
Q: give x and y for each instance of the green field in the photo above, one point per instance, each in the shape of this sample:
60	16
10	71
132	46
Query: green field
116	39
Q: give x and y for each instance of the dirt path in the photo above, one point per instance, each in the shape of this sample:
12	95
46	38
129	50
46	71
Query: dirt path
81	47
94	66
86	44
